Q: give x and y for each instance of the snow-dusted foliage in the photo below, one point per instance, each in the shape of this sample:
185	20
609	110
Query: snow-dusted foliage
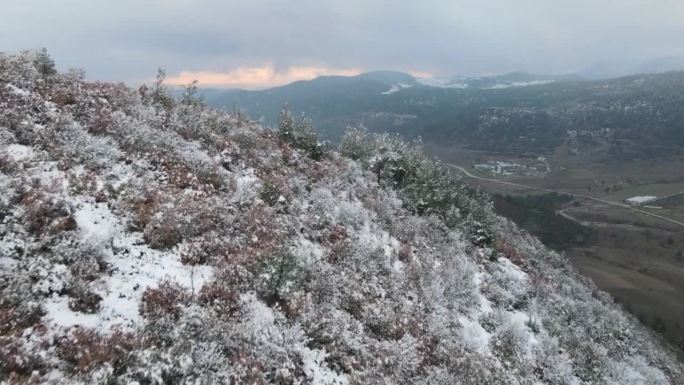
147	240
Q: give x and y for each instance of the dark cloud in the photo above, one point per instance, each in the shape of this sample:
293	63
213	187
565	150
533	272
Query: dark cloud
128	39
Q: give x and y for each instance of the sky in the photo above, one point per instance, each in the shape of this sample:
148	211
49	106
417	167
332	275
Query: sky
257	44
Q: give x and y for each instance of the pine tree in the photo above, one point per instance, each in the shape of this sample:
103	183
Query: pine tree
45	64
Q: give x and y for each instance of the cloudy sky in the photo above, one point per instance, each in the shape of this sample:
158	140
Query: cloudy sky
255	44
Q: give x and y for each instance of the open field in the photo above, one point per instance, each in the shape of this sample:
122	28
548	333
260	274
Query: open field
586	174
638	261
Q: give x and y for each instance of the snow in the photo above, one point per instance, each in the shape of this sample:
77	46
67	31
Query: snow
463	83
396	88
512	270
642	199
18	152
316	370
96	222
308	251
134	267
16	90
438	82
499	86
475	337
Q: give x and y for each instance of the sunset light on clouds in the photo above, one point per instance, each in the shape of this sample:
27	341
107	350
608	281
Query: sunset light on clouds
255	77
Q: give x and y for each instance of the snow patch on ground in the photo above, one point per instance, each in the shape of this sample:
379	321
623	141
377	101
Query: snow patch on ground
475	337
396	88
17	91
442	83
98	225
134	267
500	86
512	270
18	152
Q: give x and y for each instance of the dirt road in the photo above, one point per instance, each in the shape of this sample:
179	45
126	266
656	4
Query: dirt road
576	195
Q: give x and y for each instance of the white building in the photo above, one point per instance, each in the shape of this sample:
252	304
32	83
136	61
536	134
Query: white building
640	200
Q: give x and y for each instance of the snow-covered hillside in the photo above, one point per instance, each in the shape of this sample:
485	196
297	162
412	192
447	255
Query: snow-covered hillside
147	240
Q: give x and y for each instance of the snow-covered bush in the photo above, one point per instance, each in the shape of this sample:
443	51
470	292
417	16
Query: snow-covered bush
300	133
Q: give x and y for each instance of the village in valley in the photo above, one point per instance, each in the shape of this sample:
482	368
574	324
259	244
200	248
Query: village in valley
519	167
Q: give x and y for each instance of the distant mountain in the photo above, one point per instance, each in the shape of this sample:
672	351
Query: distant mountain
665	64
513	79
614	69
517	112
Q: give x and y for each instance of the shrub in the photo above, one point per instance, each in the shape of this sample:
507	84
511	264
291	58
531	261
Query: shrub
41	210
82	298
354	143
277	275
17	316
270	193
163	301
17	363
84	349
426	187
162	233
300	133
221	296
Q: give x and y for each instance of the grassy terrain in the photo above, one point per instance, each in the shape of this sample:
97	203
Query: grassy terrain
641	263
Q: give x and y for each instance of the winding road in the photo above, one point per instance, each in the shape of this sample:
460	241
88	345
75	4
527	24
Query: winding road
575	195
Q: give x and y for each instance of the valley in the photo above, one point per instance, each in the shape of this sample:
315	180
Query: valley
633	252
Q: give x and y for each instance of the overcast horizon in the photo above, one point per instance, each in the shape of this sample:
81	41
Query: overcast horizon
245	44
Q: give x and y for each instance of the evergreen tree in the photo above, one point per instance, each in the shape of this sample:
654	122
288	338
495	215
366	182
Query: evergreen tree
45	64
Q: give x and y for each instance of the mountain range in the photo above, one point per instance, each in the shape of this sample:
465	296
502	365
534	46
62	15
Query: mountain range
517	112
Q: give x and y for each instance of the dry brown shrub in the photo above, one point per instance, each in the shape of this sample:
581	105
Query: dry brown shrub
511	254
16	317
63	97
405	252
82	299
41	210
221	296
102	122
163	301
247	369
84	349
145	207
17	363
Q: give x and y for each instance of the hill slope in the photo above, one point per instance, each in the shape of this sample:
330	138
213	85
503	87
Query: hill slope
150	241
